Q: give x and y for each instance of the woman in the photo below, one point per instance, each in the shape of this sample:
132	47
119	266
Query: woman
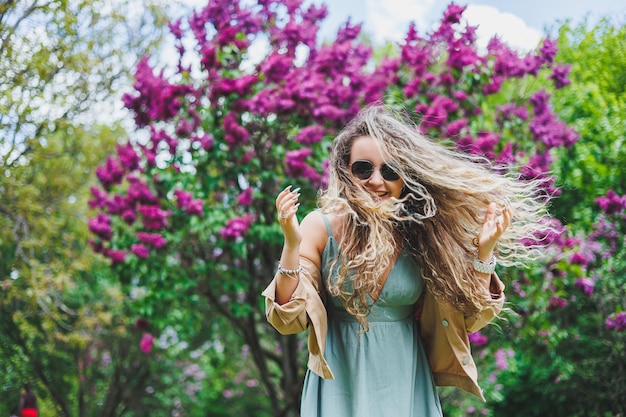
396	267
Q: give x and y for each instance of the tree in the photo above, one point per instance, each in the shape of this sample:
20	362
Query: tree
61	62
185	212
568	354
594	105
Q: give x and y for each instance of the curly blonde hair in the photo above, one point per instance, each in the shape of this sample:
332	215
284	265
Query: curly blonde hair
440	212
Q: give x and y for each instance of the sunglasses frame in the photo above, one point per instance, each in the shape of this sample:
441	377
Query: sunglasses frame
386	171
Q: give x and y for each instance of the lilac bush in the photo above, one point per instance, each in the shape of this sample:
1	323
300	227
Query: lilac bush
186	216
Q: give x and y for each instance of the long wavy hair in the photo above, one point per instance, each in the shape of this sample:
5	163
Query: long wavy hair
437	218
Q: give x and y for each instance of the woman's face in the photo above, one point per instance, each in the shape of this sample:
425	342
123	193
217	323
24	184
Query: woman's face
383	183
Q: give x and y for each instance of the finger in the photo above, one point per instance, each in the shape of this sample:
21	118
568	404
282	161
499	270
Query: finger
491	212
282	194
507	214
288	204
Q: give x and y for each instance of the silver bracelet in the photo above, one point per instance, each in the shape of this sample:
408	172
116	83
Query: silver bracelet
485	267
289	272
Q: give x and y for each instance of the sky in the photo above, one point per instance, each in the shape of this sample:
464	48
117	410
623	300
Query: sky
520	23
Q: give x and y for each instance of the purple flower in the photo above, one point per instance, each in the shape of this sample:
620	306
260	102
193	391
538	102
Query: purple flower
501	359
540	102
494	86
585	284
245	197
100	198
616	321
118	204
506	156
276	66
154	217
195	207
330	112
175	28
478	339
141	251
110	174
556	303
611	203
116	256
234	134
310	135
238	86
138	192
101	226
129	216
297	167
559	75
548	50
454	128
128	157
511	112
146	343
486	142
157	99
237	227
205	141
579	259
153	239
453	13
436	115
183	198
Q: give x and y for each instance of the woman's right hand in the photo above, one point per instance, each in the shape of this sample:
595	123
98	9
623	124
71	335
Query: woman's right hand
287	205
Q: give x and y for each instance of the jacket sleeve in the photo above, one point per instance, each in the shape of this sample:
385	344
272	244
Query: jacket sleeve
479	320
292	317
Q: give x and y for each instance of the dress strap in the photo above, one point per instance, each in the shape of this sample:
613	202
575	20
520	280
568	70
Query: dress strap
327	223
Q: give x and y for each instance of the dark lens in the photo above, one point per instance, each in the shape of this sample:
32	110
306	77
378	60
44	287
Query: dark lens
388	173
362	169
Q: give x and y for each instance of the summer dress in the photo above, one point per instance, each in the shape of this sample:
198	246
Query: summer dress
383	372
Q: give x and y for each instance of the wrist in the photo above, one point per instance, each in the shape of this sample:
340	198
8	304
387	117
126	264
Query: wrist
484	257
291	273
487	267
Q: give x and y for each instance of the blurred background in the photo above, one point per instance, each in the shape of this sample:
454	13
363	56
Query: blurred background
142	144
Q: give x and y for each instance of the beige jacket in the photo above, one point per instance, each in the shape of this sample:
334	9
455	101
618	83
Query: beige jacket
444	330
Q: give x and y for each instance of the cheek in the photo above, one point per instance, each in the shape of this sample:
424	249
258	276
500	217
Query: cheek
397	188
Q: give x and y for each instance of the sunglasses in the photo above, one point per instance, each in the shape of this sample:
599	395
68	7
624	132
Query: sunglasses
364	169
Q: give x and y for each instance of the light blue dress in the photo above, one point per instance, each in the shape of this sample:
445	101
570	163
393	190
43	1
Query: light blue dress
383	372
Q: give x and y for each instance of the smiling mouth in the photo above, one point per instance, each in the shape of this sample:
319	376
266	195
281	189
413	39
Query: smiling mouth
380	196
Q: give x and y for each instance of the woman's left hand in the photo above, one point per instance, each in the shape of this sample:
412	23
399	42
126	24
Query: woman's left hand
493	227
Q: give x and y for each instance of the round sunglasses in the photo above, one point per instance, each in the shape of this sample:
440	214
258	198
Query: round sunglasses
364	169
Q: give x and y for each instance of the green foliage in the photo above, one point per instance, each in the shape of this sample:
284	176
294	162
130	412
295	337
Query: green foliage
566	362
58	62
595	105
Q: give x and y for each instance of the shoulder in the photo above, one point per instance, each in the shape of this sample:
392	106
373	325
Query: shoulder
317	221
315	231
314	236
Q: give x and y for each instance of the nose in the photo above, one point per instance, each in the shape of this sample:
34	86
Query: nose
376	178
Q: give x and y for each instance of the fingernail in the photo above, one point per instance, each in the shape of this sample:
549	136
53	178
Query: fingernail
295	197
296	190
288	187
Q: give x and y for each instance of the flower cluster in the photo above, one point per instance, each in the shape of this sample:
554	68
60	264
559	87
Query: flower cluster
616	321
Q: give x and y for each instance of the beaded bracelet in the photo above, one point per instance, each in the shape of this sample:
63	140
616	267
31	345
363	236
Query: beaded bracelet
289	272
485	267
